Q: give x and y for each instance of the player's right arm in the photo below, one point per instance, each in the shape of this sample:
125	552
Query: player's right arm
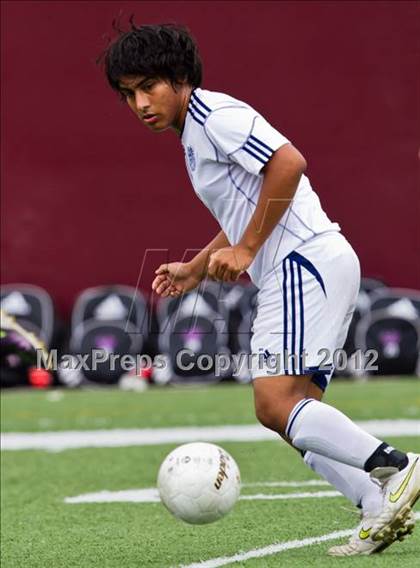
176	278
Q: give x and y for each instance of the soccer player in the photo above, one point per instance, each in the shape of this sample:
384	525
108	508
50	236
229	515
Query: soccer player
252	179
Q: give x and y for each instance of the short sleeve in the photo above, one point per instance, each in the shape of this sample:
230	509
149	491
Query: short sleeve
244	136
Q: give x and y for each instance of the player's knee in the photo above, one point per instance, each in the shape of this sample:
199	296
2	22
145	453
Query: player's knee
276	397
271	415
265	417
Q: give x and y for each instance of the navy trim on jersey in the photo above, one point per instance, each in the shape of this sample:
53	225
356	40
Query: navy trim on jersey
254	155
194	116
196	109
303	222
199	101
262	152
257	149
238	187
258	141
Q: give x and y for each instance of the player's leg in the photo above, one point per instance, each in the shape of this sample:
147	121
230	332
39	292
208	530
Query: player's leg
397	521
312	425
275	398
315	300
273	401
353	483
318	428
358	487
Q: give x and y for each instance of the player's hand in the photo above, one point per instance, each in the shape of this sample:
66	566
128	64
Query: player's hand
227	264
174	279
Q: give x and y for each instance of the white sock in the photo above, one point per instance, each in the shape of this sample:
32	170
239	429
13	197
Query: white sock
322	429
353	483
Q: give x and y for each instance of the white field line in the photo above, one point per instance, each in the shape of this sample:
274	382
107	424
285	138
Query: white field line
57	441
151	495
305	495
307	483
127	496
270	549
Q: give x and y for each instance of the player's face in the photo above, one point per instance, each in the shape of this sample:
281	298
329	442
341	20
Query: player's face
156	102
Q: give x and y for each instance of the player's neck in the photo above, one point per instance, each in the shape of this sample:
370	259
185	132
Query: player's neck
178	124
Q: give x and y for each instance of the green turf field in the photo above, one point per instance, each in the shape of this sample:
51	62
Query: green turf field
40	530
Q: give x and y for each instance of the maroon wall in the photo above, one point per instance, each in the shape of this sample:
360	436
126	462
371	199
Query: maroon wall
87	189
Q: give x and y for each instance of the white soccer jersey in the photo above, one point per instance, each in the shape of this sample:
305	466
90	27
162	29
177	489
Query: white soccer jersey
227	143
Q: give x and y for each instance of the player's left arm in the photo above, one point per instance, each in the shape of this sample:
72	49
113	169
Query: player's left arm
281	178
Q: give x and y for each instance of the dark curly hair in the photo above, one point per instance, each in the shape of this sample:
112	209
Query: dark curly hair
166	51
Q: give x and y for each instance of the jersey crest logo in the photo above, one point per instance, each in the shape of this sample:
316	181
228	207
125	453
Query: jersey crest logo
191	158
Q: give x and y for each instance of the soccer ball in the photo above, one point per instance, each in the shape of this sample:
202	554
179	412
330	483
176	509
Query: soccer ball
199	483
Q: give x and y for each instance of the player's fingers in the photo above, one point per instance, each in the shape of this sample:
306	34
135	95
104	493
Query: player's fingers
166	292
163	286
227	276
174	292
213	272
158	280
211	269
231	276
220	273
217	267
163	268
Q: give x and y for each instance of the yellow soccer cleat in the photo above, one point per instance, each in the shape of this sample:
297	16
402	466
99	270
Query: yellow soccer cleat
361	542
401	491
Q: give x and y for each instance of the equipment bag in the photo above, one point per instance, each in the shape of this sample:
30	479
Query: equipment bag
107	323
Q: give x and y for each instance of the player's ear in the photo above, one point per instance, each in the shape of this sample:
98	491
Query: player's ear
178	84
